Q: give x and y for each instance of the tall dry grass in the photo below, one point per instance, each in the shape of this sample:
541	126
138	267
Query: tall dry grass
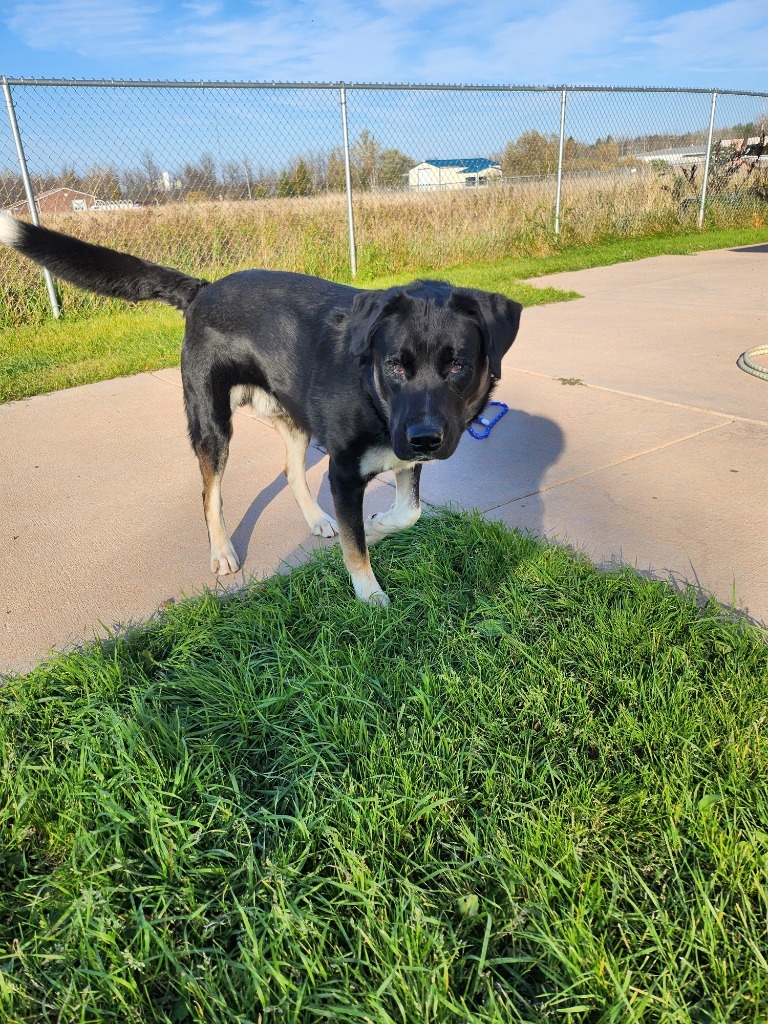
396	232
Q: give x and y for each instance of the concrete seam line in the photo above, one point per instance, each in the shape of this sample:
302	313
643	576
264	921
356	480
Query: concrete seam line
729	416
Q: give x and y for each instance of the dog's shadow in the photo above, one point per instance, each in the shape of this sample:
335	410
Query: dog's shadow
503	475
241	536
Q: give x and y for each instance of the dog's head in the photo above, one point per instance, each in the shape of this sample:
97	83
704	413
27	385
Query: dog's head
434	354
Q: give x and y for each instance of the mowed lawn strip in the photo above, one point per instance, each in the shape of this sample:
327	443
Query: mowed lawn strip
492	276
63	353
529	791
82	350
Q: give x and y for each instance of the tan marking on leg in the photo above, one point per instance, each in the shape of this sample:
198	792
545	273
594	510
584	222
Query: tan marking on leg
358	564
296	443
223	557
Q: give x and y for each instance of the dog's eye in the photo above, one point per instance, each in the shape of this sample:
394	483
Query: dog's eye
397	368
456	367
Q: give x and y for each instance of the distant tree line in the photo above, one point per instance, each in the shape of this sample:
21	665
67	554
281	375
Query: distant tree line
535	153
372	167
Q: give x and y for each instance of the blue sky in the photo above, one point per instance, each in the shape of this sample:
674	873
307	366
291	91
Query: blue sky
541	42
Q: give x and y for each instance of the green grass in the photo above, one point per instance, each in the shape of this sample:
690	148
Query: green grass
494	276
528	791
80	350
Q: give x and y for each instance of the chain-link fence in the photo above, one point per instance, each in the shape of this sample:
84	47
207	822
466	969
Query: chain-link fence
362	180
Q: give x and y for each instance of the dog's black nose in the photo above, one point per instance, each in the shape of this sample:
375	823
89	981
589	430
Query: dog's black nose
424	437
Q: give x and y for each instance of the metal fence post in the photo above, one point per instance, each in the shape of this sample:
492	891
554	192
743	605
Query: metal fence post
560	161
707	159
348	179
53	297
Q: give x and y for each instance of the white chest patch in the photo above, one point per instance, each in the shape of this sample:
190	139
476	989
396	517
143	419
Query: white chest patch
379	460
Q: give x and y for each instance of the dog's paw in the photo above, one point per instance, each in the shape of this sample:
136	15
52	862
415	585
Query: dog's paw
224	562
376	528
368	590
325	527
384	524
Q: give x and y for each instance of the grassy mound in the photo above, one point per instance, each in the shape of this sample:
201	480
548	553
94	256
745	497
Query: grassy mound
529	791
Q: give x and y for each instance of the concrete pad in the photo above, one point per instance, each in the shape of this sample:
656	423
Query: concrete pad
103	517
671	328
695	511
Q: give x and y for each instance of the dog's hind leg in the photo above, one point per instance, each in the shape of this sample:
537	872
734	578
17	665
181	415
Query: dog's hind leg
296	443
209	417
405	511
223	557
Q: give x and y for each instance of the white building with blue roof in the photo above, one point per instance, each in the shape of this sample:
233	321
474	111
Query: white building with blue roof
435	175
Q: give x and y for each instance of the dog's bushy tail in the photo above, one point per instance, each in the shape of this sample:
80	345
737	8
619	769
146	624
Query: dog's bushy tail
95	268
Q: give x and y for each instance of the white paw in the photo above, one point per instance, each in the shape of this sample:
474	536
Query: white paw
325	527
368	590
376	527
224	562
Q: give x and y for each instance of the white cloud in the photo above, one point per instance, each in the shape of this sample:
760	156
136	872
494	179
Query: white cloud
731	35
494	41
79	24
202	9
570	39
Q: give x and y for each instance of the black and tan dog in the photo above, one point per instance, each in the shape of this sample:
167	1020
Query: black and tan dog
385	380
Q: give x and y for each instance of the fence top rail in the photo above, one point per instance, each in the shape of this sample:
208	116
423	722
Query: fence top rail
384	86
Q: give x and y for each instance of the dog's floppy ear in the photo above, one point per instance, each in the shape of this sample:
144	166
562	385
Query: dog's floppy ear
498	318
368	309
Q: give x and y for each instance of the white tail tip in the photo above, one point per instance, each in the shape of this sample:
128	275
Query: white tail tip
10	230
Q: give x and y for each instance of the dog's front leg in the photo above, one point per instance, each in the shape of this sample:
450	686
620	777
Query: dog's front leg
405	511
348	488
